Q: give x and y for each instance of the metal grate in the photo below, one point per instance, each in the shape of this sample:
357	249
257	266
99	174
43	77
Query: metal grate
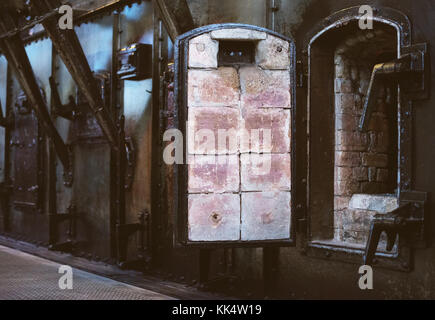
26	277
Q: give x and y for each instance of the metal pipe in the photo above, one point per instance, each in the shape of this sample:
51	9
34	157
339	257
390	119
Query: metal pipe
272	7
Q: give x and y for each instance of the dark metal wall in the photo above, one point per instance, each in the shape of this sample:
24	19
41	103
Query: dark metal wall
239	271
91	190
302	276
29	223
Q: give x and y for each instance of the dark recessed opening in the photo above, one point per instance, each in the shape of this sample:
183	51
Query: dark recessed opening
236	52
353	174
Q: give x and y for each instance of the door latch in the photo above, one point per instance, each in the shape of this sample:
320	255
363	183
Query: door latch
405	222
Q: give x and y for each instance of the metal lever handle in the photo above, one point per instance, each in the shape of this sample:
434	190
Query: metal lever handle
390	70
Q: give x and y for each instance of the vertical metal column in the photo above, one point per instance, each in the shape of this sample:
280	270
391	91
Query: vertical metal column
51	176
204	267
114	219
6	186
159	62
270	270
272	6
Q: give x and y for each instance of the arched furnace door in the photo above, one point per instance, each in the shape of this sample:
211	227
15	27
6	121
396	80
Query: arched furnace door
235	93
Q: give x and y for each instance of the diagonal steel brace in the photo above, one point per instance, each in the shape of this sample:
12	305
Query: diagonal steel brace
70	50
15	53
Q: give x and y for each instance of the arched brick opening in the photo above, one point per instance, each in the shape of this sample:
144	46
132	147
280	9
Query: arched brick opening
365	167
353	174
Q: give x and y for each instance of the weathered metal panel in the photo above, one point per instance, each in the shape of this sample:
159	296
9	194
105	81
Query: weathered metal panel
24	221
39	54
221	11
91	195
91	189
27	158
96	40
93	208
136	26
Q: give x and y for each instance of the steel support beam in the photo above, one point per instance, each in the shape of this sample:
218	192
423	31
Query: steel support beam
70	50
175	15
15	53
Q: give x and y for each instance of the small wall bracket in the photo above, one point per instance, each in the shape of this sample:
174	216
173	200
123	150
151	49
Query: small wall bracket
67	111
130	153
417	84
58	218
124	231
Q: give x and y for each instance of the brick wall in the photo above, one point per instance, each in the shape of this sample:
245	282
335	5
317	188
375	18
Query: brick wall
364	161
239	185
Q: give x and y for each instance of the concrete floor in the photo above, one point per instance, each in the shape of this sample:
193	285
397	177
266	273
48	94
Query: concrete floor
27	277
